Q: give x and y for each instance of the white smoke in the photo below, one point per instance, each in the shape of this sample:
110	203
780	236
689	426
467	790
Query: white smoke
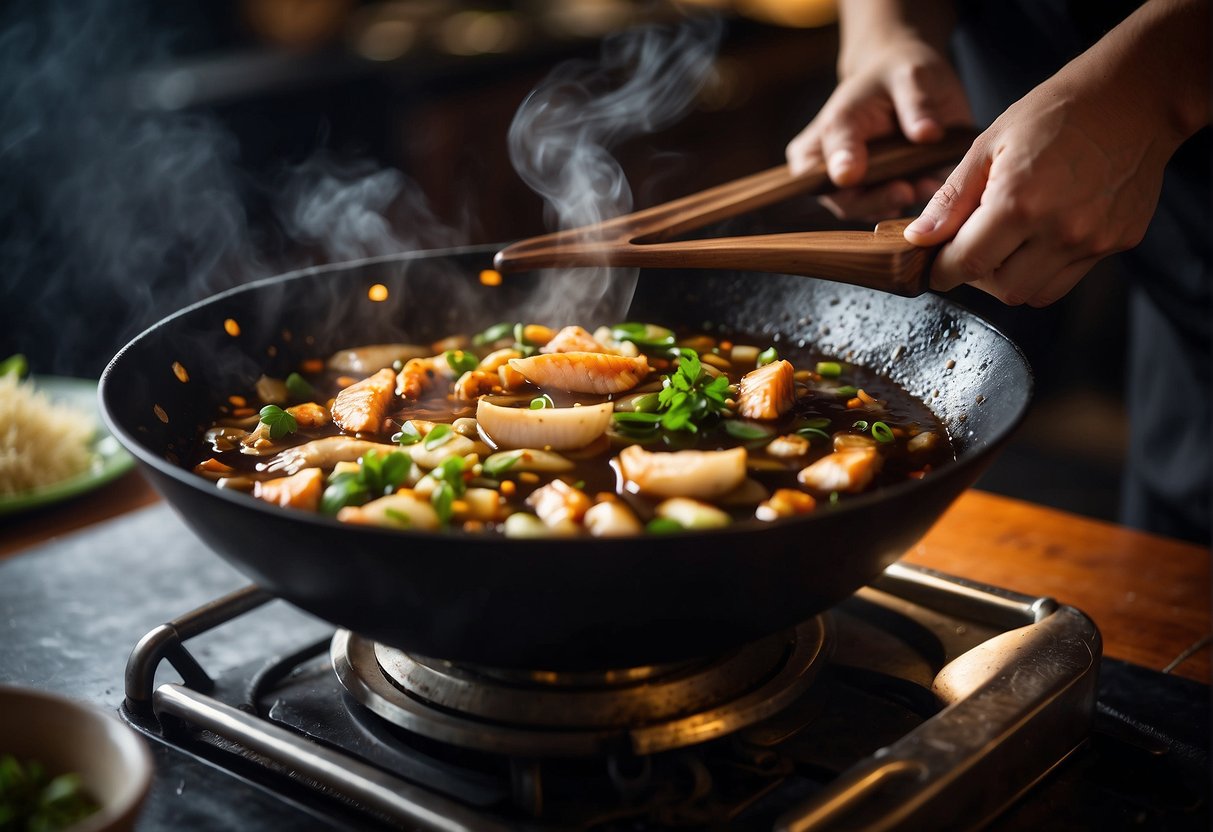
563	135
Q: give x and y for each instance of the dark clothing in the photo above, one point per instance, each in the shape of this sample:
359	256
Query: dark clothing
1003	50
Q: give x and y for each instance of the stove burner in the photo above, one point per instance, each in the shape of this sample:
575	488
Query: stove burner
641	710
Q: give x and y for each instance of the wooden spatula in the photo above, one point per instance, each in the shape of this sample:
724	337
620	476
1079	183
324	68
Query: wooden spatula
880	259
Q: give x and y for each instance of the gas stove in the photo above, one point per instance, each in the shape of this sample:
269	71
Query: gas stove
922	702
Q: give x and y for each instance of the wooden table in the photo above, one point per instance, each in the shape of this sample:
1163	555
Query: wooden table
1149	595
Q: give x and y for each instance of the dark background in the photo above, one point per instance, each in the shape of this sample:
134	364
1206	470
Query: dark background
146	148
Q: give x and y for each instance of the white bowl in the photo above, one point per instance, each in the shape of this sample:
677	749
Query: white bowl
65	736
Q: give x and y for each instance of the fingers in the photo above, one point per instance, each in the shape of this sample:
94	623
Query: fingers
845	151
915	107
953	203
979	249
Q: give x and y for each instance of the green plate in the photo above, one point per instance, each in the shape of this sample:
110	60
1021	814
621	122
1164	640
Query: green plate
110	459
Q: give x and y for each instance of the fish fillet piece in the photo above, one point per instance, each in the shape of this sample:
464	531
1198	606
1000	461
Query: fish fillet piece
573	339
583	372
849	470
301	490
362	407
705	475
768	392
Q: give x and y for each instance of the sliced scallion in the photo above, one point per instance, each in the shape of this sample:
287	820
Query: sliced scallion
440	435
813	433
768	356
847	390
882	432
746	431
540	402
829	369
861	425
494	333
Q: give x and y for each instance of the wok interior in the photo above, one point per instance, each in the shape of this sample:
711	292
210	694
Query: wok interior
556	604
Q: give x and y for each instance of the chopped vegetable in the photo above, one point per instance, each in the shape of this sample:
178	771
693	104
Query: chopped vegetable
278	421
540	402
767	356
377	475
746	431
882	433
14	365
461	362
31	799
690	396
440	435
408	435
299	388
829	369
643	335
493	334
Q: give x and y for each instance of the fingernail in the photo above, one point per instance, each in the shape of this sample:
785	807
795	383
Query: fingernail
922	225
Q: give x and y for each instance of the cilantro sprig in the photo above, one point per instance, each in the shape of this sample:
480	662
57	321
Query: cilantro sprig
278	421
31	798
690	397
450	485
377	476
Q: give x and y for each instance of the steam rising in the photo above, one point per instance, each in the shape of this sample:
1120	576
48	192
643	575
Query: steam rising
122	208
562	136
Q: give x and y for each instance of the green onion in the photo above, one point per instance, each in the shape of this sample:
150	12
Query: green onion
882	432
663	525
461	361
440	435
540	402
746	431
647	403
643	335
624	417
14	365
408	435
278	421
829	369
861	425
494	333
813	433
816	422
768	356
299	388
498	464
399	516
847	390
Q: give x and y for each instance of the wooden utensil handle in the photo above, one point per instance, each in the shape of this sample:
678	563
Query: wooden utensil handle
881	259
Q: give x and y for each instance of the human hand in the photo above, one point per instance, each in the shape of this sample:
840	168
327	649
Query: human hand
1063	178
906	84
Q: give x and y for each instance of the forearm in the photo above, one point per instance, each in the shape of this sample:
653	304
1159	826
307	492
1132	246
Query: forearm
869	25
1153	68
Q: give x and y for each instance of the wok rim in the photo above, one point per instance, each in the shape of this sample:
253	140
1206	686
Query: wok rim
145	456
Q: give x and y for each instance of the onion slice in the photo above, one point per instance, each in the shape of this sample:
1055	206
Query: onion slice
558	428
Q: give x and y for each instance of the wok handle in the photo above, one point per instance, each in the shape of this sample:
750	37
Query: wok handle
641	239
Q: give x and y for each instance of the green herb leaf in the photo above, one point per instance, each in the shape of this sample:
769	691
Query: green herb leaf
461	361
540	402
768	356
15	365
438	436
408	435
494	333
278	421
882	433
377	476
299	388
441	499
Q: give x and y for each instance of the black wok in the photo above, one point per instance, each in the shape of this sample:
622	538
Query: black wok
555	604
